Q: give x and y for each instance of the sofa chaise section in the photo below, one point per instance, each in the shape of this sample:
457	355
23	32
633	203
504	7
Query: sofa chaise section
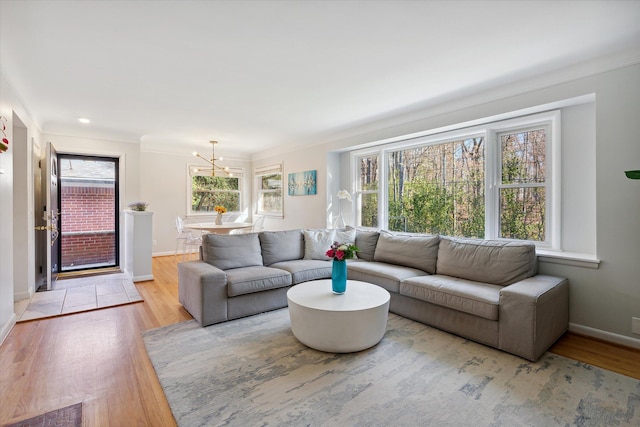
513	309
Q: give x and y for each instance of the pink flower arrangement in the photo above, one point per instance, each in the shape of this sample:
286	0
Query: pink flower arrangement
4	145
342	251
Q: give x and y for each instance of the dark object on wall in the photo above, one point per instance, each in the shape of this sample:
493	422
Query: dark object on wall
632	174
4	144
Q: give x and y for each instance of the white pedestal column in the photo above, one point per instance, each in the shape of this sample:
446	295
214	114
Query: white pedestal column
137	245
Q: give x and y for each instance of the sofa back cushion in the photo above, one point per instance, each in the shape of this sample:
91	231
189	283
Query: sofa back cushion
489	261
410	250
366	242
227	251
278	246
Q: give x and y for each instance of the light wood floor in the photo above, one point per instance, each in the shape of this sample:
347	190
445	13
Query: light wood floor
98	358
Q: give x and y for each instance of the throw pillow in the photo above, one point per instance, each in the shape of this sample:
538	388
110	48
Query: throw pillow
346	235
317	243
366	242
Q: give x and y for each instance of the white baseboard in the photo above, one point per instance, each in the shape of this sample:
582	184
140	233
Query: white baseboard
604	335
21	295
142	278
4	332
165	253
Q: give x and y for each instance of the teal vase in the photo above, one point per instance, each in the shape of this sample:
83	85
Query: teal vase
339	277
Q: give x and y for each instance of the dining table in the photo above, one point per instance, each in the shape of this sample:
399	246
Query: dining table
224	228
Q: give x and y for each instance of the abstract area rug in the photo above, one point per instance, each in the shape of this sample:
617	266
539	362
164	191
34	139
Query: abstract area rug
70	416
252	371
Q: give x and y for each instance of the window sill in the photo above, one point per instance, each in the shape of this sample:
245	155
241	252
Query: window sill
568	258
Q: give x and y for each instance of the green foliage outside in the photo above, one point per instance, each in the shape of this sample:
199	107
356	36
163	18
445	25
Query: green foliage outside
438	189
522	214
208	192
368	199
523	202
369	210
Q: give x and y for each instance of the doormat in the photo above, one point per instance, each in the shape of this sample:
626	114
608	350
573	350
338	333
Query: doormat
70	416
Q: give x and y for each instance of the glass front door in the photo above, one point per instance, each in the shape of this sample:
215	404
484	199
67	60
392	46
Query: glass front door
88	196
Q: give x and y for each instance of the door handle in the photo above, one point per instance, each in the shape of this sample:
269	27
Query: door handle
45	227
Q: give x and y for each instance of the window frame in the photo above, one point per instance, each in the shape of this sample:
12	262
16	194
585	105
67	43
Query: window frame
196	170
358	192
490	130
258	173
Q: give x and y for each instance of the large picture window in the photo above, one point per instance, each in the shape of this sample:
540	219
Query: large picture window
438	189
491	181
268	182
206	191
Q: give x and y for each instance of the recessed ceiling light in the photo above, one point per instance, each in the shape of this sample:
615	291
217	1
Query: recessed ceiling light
84	120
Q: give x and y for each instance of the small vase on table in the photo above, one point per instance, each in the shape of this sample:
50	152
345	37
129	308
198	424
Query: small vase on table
339	276
340	253
219	219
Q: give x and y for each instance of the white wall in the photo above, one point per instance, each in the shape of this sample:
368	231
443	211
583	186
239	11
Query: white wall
16	206
164	185
302	211
600	210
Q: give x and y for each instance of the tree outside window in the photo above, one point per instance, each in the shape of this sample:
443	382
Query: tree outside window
367	192
493	182
207	192
438	189
523	185
269	190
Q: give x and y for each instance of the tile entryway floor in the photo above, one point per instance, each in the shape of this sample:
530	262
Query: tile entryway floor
79	294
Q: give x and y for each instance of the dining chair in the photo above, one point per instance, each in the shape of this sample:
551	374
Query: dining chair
258	225
191	241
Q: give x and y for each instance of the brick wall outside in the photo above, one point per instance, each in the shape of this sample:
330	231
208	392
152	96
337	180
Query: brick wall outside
88	225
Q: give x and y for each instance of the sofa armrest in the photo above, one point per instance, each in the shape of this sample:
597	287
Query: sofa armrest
534	313
202	290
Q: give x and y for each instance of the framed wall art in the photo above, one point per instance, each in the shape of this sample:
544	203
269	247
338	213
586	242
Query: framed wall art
302	183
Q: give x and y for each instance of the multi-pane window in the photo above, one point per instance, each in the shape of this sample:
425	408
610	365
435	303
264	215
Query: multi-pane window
522	190
492	181
207	192
438	188
367	190
269	190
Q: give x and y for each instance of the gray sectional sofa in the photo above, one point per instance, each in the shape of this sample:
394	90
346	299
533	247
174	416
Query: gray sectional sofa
484	290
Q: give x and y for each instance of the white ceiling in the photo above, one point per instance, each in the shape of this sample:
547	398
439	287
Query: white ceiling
261	74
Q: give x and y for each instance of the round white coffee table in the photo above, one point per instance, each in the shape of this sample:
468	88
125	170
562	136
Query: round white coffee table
353	321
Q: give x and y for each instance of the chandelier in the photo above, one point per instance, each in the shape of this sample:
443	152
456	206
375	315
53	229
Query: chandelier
212	161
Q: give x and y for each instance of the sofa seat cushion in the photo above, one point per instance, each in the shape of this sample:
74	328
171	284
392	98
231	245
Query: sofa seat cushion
382	274
305	270
248	280
410	250
478	299
488	261
280	246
